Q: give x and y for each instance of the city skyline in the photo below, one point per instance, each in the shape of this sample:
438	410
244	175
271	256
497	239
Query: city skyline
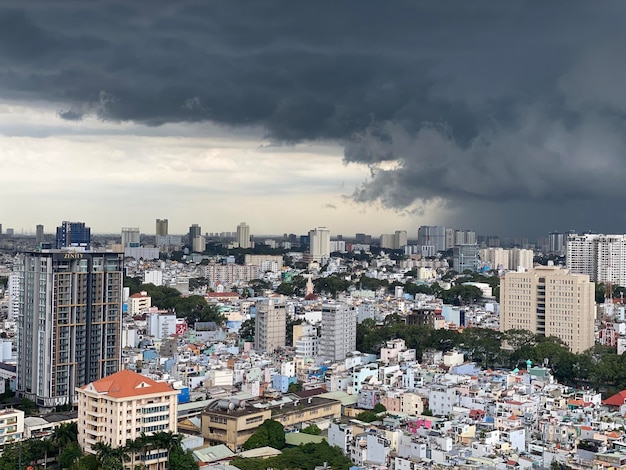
499	118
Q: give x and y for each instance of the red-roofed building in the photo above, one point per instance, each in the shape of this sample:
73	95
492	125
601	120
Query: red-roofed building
124	406
616	400
139	303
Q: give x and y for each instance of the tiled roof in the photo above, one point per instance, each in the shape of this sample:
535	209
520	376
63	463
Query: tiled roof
127	384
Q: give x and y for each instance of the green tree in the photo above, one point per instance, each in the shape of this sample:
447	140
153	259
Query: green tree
367	416
294	387
70	455
285	288
312	429
181	460
247	330
271	433
379	408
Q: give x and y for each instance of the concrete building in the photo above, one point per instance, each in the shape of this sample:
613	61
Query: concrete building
153	276
432	235
161	228
138	303
338	331
465	257
319	247
394	241
69	323
520	259
270	325
198	244
243	235
194	231
130	237
139	406
11	426
550	301
495	258
601	257
39	234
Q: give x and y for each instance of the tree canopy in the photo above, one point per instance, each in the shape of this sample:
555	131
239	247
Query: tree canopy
271	433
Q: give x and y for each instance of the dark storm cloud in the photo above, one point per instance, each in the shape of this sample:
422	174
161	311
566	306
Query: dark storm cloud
482	106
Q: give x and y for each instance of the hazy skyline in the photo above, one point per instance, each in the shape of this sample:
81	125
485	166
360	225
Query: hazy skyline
369	116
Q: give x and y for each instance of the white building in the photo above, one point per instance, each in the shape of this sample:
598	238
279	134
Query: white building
140	406
153	276
601	257
270	325
319	244
130	236
338	331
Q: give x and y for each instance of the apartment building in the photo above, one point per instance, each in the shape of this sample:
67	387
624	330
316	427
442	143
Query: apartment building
338	331
124	406
270	325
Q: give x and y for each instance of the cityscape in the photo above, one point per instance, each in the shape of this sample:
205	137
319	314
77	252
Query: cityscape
434	349
354	235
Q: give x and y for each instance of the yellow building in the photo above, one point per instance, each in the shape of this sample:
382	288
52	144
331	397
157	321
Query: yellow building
123	406
550	301
232	422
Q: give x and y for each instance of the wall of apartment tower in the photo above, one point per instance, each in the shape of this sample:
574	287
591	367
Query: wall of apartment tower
69	322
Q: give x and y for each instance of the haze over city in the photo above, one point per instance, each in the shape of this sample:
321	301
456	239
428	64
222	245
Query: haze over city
500	117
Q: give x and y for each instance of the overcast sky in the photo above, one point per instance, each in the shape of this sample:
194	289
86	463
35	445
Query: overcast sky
362	116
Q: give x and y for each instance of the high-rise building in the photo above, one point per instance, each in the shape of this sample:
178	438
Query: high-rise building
161	228
363	239
465	257
130	237
73	234
520	259
69	322
194	231
270	325
319	243
126	406
243	235
198	244
394	241
495	258
432	235
338	331
39	234
550	301
601	257
464	237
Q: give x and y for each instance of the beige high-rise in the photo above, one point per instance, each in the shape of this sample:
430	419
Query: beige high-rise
550	301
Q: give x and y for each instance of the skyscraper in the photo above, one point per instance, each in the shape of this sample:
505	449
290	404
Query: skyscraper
194	231
550	301
465	257
243	235
319	243
73	234
161	227
69	322
39	234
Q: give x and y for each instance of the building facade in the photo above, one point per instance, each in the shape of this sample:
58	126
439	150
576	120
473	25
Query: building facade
73	234
139	405
319	240
465	257
270	325
243	235
69	322
601	257
432	235
338	337
550	301
130	237
161	227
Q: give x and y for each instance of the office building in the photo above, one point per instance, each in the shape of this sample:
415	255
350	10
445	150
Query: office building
550	301
319	244
39	234
126	406
243	235
130	237
338	337
432	235
601	257
73	234
465	257
161	228
69	322
270	325
194	231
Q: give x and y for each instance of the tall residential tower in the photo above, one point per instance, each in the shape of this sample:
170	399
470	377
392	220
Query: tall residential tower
69	322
